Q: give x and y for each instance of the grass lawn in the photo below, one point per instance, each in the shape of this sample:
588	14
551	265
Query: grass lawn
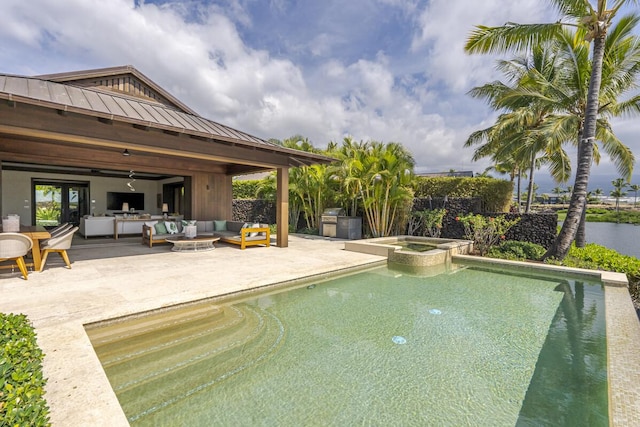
607	215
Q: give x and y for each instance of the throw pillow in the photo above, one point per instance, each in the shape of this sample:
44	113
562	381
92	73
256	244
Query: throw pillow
172	227
254	234
160	228
150	224
220	225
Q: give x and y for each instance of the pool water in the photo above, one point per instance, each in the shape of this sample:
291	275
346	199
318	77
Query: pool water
467	347
416	247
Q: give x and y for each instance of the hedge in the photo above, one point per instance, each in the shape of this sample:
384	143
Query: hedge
245	189
495	194
22	394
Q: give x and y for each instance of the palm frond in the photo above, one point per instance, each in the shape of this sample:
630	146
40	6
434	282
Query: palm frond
511	37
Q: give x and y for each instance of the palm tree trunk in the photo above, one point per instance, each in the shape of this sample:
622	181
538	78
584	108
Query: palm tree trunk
581	234
560	247
530	194
519	192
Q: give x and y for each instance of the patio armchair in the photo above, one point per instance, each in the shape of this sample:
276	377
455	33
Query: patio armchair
58	244
60	229
14	246
54	232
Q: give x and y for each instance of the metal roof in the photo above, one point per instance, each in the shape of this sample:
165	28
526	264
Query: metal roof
114	106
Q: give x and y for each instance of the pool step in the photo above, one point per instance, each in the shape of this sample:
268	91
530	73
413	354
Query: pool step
155	379
132	328
169	336
148	363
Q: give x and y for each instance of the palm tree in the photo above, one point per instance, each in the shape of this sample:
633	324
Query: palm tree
520	134
383	174
635	188
618	184
598	192
557	191
594	22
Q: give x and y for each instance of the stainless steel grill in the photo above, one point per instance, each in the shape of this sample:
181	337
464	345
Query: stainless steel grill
329	221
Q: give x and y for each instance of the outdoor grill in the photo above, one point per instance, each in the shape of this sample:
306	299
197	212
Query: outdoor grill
333	223
329	221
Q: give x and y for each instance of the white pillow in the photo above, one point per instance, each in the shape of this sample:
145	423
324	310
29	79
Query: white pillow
150	224
254	234
172	227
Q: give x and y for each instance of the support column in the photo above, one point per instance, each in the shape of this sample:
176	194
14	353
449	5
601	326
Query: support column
282	207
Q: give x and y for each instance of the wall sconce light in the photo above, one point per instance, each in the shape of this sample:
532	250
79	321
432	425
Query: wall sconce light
126	152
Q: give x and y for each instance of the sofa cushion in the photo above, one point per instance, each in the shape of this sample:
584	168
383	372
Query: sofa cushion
171	226
220	225
150	224
160	228
254	233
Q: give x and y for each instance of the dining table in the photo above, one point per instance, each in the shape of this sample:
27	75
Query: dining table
36	233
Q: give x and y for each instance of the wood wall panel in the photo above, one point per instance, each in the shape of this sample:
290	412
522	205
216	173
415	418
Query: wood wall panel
211	196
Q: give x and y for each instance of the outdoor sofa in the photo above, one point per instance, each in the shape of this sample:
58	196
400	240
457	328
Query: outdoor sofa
242	233
235	232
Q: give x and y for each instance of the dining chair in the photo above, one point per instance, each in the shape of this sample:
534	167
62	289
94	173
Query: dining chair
14	246
60	229
58	244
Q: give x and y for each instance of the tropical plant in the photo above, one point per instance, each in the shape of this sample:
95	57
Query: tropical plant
310	187
484	231
592	24
558	191
635	188
520	134
428	221
618	191
518	251
384	176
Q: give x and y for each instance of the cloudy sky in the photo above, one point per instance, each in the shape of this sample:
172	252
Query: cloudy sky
384	70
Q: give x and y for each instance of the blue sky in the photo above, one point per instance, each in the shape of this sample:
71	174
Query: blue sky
385	70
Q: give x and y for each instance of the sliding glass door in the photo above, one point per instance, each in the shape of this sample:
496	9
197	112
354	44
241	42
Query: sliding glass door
57	202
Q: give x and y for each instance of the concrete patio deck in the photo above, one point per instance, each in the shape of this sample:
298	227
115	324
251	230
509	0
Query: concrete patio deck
111	279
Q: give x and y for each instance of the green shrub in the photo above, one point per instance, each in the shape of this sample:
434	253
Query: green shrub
496	194
518	251
598	257
22	394
485	231
245	189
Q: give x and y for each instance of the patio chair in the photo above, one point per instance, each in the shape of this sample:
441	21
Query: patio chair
60	229
54	232
58	244
14	246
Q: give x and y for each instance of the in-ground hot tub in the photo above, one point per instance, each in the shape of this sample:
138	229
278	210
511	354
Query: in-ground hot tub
412	252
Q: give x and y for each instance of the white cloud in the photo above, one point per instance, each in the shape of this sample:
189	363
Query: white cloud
444	26
203	53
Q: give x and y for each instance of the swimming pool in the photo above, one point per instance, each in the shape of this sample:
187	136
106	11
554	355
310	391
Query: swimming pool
466	347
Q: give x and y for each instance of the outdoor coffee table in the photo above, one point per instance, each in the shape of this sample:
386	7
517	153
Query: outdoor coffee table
193	244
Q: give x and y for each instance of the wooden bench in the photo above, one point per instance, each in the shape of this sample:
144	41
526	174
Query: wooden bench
243	237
